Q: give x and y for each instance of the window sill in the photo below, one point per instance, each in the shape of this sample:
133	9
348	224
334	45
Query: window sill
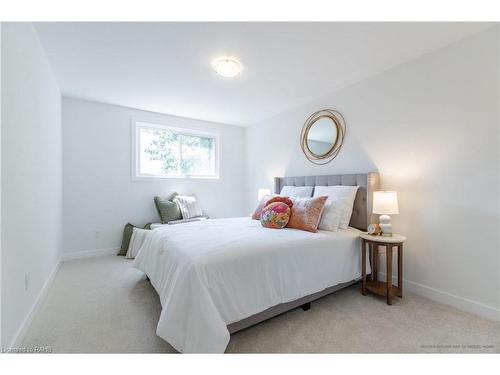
156	178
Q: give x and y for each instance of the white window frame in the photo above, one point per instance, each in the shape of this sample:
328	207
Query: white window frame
137	176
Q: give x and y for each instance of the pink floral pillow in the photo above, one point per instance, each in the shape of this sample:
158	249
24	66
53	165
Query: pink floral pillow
285	200
275	215
262	204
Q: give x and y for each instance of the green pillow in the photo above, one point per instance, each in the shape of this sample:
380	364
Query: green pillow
167	209
127	234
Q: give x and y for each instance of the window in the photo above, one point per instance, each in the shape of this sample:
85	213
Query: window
165	152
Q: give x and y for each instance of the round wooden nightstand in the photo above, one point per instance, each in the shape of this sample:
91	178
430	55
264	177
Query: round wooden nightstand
374	285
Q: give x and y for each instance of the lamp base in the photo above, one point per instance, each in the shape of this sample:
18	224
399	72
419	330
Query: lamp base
385	225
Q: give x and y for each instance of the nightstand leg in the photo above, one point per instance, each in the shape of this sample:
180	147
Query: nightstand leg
370	257
388	256
363	267
375	262
400	270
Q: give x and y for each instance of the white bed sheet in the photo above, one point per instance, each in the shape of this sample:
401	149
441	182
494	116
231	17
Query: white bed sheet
212	273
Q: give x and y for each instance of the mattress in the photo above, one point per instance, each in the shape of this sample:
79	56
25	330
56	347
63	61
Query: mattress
210	274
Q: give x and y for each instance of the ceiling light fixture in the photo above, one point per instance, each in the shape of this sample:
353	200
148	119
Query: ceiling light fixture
228	67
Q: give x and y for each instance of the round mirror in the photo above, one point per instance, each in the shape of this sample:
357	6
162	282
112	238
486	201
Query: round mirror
322	136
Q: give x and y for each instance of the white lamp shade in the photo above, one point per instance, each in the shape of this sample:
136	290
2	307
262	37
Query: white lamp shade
262	193
385	202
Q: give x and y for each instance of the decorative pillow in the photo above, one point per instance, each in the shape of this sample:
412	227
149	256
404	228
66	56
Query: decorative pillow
136	241
275	215
261	205
337	193
297	191
167	208
330	219
127	234
189	206
285	200
306	213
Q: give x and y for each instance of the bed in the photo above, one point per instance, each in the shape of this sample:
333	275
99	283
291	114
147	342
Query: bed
223	275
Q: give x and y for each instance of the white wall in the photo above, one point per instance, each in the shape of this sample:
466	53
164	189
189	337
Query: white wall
431	128
99	194
31	169
1	341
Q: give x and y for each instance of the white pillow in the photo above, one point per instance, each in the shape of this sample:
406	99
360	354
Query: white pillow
136	241
343	196
330	218
297	191
189	206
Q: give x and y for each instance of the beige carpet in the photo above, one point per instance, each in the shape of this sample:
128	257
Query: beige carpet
103	305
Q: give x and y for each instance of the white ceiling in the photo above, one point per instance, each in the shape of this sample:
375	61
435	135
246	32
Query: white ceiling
165	67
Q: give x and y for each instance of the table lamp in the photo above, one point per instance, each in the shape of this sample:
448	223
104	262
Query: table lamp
385	203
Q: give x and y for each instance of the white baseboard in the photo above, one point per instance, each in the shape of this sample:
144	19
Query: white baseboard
21	332
89	253
460	303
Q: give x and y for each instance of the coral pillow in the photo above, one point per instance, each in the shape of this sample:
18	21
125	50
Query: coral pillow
306	213
275	215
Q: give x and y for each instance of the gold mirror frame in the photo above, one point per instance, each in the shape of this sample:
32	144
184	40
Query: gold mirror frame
339	122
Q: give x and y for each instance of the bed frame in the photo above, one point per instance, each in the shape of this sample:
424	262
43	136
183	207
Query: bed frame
361	217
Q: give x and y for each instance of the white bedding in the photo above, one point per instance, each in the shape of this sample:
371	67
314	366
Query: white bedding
212	273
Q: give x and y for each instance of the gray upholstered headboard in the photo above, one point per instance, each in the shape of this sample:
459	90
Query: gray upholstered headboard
362	209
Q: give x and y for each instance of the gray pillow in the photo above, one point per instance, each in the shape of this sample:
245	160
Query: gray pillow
167	209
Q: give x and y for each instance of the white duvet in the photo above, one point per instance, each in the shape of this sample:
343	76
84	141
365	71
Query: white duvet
212	273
